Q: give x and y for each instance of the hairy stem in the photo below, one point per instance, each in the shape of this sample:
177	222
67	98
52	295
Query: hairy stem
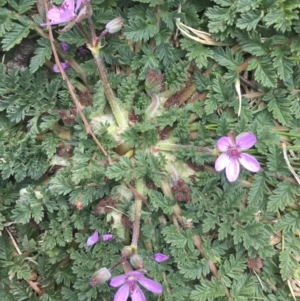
73	95
139	185
118	114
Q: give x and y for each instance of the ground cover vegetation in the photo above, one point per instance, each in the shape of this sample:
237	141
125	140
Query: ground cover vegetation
149	150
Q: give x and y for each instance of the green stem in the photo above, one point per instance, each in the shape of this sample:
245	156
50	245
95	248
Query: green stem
286	134
167	146
293	147
152	109
116	110
139	185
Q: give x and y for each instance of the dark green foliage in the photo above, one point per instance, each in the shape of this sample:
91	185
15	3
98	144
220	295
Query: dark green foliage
57	188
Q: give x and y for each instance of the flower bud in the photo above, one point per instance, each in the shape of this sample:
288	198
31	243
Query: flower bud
107	237
126	252
92	239
115	25
137	262
64	46
100	276
65	65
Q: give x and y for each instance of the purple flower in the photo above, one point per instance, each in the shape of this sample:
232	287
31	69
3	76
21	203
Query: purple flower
65	13
130	288
65	65
92	239
232	156
64	46
107	237
160	257
81	51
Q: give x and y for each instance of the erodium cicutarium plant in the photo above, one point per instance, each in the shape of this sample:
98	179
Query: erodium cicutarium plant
149	150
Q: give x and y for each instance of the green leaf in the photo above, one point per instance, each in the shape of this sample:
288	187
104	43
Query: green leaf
5	24
140	30
176	75
264	71
219	19
289	223
227	59
192	270
282	62
165	52
243	288
209	222
124	168
25	5
15	36
251	42
219	95
196	51
283	196
258	189
6	250
275	160
176	239
41	54
234	266
208	290
288	264
281	18
249	20
73	37
279	105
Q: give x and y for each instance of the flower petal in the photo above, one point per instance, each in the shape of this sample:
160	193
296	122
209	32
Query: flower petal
122	293
118	280
92	239
150	285
224	144
78	4
136	274
222	162
249	162
68	5
245	140
137	295
54	13
160	257
232	170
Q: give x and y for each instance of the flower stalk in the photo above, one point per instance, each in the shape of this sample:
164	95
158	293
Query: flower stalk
116	109
137	212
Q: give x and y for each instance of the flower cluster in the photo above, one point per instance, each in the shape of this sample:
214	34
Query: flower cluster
93	239
181	191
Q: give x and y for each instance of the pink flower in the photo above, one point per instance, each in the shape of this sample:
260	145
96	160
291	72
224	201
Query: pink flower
65	65
107	237
65	13
130	288
160	257
232	156
92	239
